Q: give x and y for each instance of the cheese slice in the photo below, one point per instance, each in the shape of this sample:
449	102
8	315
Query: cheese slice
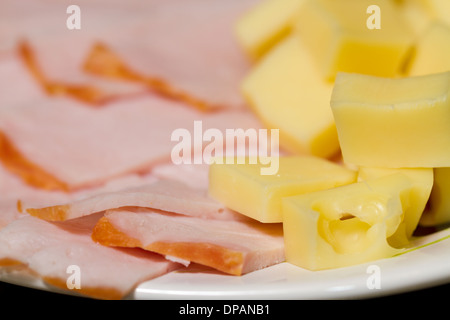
343	36
347	225
242	188
393	123
287	93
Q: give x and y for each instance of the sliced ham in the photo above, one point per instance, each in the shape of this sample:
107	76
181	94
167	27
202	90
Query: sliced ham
62	142
17	196
17	85
49	249
186	49
181	49
233	247
166	195
194	175
57	66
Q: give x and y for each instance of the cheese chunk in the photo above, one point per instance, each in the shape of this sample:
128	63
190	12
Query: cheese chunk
287	93
393	123
346	225
242	188
439	10
432	51
416	13
422	180
341	37
438	210
259	29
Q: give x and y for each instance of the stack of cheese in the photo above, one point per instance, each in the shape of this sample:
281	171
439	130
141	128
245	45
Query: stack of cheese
368	79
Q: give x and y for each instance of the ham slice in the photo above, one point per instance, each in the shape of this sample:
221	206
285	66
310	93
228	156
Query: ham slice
181	49
57	66
166	195
17	196
61	145
233	247
49	249
17	85
186	49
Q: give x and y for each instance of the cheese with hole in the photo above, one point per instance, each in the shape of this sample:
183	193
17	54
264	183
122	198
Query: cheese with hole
438	210
346	225
422	180
393	123
242	188
343	37
287	93
259	29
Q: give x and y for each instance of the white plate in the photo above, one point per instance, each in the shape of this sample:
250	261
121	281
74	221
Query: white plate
427	265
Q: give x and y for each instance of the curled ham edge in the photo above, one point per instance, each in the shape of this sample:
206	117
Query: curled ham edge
32	174
178	200
225	258
155	266
102	61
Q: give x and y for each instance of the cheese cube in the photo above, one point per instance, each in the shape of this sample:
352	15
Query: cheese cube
432	51
346	225
242	188
287	93
341	37
439	10
438	210
393	123
416	13
422	180
259	29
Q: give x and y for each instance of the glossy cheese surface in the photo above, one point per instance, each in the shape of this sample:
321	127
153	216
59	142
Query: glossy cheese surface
337	34
346	225
259	29
242	188
438	210
432	51
422	180
287	93
393	123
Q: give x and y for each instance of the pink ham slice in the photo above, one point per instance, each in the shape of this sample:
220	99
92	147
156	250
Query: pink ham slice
79	147
166	195
233	247
49	249
16	196
17	85
186	49
57	66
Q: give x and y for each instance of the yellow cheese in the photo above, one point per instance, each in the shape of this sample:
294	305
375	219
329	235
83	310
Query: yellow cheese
439	10
340	35
346	225
393	123
416	13
242	188
266	24
422	180
432	51
287	93
438	210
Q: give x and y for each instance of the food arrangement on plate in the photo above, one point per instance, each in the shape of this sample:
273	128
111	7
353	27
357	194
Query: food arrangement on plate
136	144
